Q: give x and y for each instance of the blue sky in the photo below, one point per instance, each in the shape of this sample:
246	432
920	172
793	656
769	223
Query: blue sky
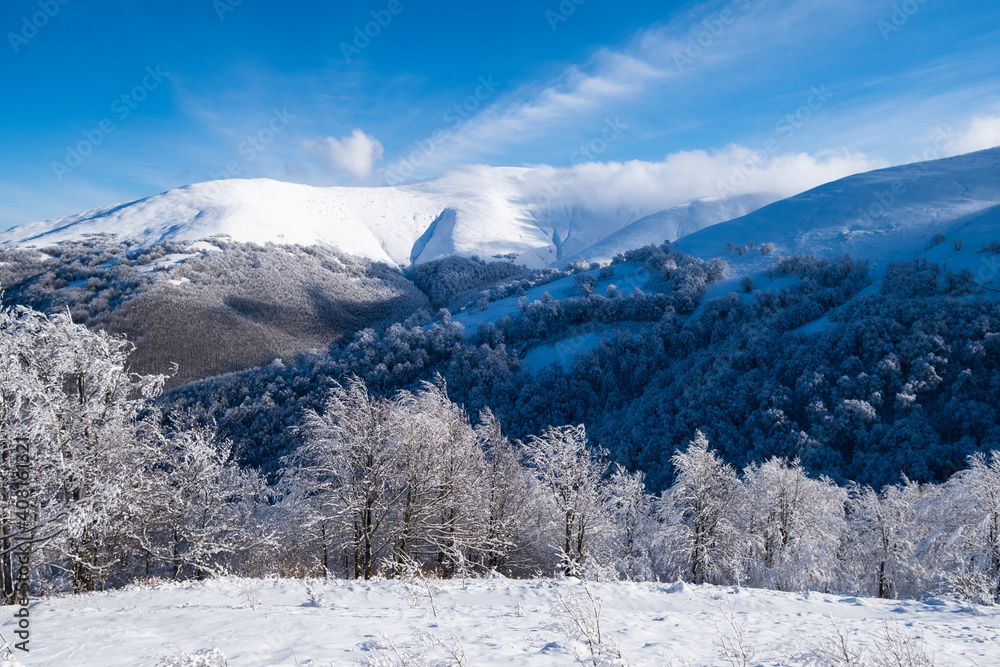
108	101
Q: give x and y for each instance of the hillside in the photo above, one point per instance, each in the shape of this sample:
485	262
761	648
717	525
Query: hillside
484	212
779	344
210	307
945	210
670	225
301	266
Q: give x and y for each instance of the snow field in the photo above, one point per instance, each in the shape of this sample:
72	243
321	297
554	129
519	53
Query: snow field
490	622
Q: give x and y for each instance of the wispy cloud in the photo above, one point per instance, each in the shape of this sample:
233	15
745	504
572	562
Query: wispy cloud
727	65
657	67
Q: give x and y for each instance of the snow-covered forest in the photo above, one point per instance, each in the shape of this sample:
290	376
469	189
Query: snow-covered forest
861	376
409	334
389	486
661	431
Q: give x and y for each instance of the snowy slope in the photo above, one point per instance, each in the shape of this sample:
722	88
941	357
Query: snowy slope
886	215
490	622
352	219
476	211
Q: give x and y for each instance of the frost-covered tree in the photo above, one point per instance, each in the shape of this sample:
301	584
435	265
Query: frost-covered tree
110	495
698	511
571	474
207	510
68	394
507	486
884	530
793	527
443	500
344	481
633	527
983	480
964	549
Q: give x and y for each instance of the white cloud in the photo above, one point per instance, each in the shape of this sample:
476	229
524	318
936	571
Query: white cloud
982	133
637	188
355	154
688	175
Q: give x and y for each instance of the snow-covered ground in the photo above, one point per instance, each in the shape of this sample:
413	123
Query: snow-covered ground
487	622
562	352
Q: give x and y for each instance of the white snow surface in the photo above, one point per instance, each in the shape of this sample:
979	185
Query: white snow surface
476	211
491	622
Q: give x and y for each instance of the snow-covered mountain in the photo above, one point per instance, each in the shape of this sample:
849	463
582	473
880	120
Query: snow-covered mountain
886	215
483	212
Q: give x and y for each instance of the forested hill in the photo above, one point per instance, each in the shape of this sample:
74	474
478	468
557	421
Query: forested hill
860	379
211	307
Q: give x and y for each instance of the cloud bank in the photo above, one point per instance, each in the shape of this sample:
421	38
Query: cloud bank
642	188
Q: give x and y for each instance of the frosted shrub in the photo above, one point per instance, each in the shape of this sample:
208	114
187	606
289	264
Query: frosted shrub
203	658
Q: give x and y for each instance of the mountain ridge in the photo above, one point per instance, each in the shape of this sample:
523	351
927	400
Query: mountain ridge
487	213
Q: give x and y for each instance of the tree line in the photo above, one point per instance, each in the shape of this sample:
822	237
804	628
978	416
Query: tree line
383	486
